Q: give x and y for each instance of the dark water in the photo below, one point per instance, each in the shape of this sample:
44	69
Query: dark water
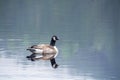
88	46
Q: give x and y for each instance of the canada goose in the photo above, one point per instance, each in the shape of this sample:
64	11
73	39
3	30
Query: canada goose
47	51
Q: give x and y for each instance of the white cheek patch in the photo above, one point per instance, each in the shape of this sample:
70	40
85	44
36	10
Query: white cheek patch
54	38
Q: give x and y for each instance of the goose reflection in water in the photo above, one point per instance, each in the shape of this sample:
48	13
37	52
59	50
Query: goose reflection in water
47	52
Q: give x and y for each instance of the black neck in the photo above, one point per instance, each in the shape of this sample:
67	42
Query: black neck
52	43
53	63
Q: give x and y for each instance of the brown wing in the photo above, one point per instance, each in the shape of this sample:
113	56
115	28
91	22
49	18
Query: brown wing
48	51
46	47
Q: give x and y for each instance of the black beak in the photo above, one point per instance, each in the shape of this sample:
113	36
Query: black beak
57	39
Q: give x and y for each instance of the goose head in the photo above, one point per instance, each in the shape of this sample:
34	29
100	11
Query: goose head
54	38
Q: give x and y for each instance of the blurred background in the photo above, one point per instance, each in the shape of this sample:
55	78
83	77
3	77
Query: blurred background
89	39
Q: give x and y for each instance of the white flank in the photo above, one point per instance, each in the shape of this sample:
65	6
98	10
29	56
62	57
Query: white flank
56	51
38	51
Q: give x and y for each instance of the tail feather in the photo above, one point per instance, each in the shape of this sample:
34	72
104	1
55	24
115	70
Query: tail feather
31	49
53	63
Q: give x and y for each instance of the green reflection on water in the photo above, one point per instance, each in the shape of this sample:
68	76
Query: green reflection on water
69	49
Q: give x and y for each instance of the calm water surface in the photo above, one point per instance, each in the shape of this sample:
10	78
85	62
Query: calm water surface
89	32
75	63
